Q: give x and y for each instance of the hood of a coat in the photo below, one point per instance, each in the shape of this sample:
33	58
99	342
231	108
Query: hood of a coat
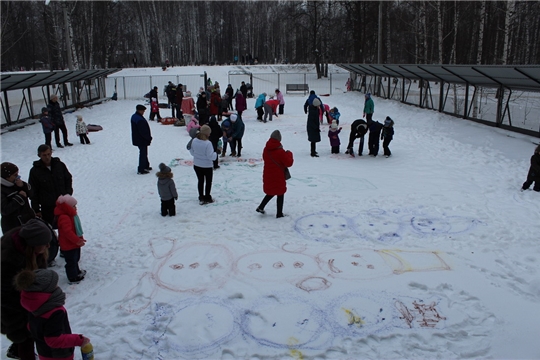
65	209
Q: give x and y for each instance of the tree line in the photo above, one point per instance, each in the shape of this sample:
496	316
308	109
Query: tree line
108	34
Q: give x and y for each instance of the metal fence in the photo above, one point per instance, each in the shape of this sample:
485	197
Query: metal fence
268	82
512	110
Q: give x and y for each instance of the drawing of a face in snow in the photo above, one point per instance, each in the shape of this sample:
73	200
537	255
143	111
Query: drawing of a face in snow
325	227
377	224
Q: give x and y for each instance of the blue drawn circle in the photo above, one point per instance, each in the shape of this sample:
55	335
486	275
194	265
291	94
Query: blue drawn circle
325	227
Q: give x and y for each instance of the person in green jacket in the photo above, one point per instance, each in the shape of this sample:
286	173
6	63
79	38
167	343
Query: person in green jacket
369	107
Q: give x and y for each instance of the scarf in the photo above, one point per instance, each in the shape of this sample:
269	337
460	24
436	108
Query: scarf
57	299
78	226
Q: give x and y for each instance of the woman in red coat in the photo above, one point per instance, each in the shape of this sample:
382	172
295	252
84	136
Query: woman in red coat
276	160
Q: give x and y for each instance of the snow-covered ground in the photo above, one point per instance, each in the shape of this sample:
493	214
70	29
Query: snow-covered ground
431	253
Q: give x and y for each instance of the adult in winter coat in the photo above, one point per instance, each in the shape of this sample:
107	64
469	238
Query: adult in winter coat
243	89
15	205
49	178
171	96
387	135
241	104
142	138
369	108
47	125
279	96
58	119
23	247
374	134
202	108
534	172
179	98
259	103
312	106
216	133
203	157
229	91
359	129
215	103
270	108
276	159
48	320
226	128
238	128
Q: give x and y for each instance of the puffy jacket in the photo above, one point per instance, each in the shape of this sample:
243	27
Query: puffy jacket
534	171
140	131
81	128
238	128
16	208
67	235
279	96
275	161
166	188
241	103
274	105
260	100
215	103
47	124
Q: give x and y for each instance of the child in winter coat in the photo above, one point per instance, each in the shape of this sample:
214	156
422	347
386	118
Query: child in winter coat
279	96
534	172
193	123
334	114
259	103
70	236
82	130
48	320
154	109
238	129
333	134
47	124
387	135
167	190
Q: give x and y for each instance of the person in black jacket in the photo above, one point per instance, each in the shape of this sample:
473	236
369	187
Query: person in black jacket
49	178
202	108
24	247
387	135
171	96
359	129
142	138
16	208
374	134
58	119
243	89
215	136
533	176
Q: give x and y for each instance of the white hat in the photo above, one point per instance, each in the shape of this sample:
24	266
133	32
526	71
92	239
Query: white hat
233	117
334	124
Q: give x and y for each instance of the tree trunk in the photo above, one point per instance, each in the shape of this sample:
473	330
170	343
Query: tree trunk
509	16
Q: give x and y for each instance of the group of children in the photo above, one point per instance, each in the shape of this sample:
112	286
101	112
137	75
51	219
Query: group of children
48	127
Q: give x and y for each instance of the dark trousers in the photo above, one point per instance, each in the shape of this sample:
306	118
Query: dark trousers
373	144
84	139
168	207
204	184
72	258
313	148
280	200
48	138
236	144
64	134
352	137
527	184
153	115
173	107
335	149
25	349
385	144
281	106
143	158
260	113
369	118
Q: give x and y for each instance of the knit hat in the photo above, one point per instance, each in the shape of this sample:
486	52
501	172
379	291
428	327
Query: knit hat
79	117
8	169
276	135
388	122
316	102
205	129
44	109
53	96
68	199
164	169
40	280
35	233
233	117
368	95
140	107
334	124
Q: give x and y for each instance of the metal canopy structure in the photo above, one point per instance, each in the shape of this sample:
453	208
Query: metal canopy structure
508	91
87	87
517	77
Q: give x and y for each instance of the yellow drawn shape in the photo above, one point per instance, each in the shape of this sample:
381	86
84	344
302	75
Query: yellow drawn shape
352	318
295	353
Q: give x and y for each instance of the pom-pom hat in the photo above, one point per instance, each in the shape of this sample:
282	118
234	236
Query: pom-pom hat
67	199
36	233
164	169
8	169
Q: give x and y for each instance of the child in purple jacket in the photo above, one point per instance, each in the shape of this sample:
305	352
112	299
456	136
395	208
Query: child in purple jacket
333	134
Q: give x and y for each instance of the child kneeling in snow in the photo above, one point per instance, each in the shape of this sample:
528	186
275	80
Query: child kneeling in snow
47	318
167	190
534	172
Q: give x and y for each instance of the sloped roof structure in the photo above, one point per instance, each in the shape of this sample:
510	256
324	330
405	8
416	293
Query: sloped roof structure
516	77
